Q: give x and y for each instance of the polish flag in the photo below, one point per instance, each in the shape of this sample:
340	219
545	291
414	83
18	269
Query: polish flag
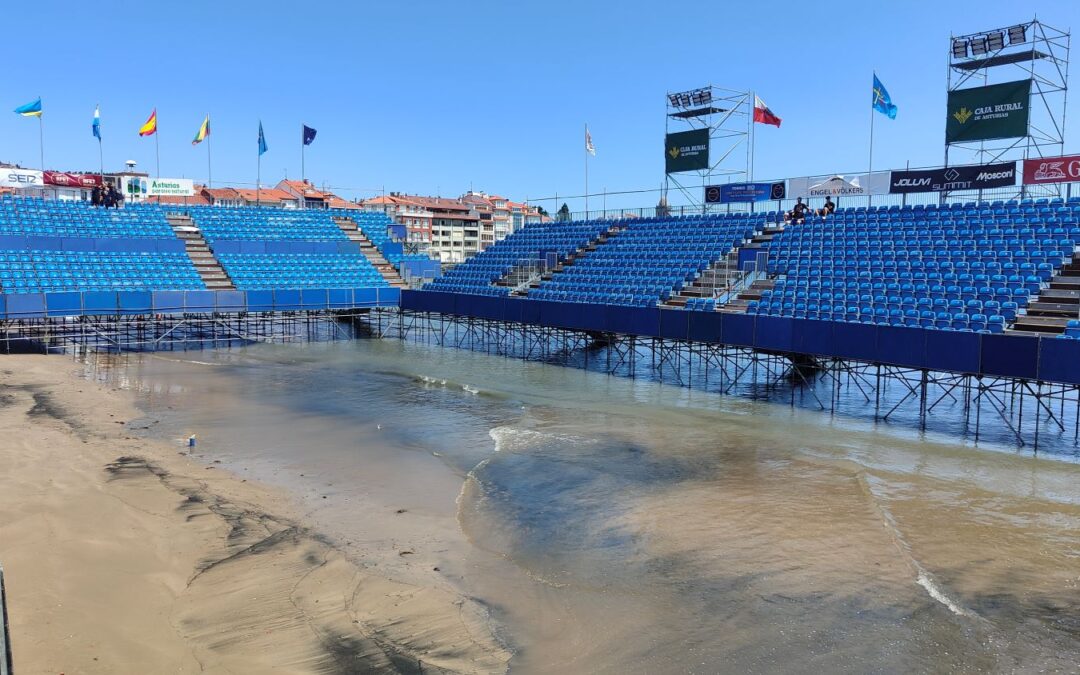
762	114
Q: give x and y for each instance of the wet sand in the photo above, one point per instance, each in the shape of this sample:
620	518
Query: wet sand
122	555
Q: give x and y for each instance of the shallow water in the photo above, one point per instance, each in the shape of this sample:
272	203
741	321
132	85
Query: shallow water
615	525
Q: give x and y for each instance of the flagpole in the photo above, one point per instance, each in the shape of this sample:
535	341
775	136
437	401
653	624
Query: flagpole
258	170
101	156
303	173
586	172
41	139
157	152
870	167
209	166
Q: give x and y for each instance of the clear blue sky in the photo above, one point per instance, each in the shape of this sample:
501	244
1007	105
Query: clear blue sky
435	97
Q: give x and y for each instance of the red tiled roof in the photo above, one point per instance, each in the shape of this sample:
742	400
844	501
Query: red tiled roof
265	195
305	188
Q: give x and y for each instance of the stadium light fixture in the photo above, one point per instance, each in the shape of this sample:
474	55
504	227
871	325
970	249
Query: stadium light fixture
1017	35
996	41
673	100
978	46
959	49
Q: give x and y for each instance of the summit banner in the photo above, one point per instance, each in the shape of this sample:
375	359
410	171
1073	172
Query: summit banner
986	113
953	178
1052	170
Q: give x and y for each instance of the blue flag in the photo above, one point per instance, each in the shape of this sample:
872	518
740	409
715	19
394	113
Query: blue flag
309	135
882	102
262	140
96	126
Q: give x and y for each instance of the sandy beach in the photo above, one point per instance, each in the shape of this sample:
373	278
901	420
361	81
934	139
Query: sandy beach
123	555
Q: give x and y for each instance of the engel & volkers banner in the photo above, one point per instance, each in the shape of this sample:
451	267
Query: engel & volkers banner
20	178
876	183
1052	170
686	151
985	113
744	192
954	178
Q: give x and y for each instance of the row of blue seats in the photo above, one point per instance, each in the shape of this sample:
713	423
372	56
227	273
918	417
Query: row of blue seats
597	298
979	323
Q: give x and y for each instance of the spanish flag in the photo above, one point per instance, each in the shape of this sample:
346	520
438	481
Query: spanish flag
204	131
150	127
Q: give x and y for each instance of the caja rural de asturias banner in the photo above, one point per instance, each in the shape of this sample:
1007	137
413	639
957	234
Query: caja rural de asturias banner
986	113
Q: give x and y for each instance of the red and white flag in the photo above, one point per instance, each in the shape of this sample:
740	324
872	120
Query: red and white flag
762	114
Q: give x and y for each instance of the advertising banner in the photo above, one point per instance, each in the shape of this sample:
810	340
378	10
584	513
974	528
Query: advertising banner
73	180
138	186
1052	170
20	178
876	183
686	151
985	113
744	192
976	177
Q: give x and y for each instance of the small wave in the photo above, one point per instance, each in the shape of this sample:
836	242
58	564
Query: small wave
936	593
198	363
471	389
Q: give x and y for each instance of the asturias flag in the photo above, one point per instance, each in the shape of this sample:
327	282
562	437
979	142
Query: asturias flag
262	140
309	135
203	132
31	109
96	126
882	102
149	128
762	114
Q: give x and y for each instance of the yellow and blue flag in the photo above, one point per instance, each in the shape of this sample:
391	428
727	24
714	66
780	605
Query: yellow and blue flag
203	132
31	109
882	101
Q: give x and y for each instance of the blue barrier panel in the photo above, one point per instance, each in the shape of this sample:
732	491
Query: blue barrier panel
26	305
512	308
812	336
855	341
531	311
286	300
100	303
230	301
581	316
389	297
397	231
674	324
554	314
482	307
260	301
11	242
78	245
368	297
1010	356
775	333
278	247
63	304
391	248
340	298
168	302
952	351
41	243
737	329
748	255
252	247
643	321
3	306
902	346
135	302
226	247
1059	360
705	327
199	302
314	298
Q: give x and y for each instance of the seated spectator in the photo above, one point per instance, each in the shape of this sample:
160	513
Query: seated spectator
797	214
95	196
827	210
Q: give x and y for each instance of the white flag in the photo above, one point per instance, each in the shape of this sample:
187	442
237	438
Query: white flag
588	142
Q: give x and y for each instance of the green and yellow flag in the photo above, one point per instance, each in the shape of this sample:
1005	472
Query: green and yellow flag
204	131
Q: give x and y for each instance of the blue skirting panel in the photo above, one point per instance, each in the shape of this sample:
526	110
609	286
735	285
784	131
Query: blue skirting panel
26	305
902	346
954	351
774	333
230	301
1010	356
674	324
168	302
100	303
260	301
738	329
286	301
1059	360
63	304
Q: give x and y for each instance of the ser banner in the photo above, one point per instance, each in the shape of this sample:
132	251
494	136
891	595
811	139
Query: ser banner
744	192
686	151
1052	170
876	183
985	113
954	178
20	178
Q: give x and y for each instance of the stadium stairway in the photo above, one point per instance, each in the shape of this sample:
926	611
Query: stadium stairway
720	278
210	270
753	291
1055	305
355	234
567	262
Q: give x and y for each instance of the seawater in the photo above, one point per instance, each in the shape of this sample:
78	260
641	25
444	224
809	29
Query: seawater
617	525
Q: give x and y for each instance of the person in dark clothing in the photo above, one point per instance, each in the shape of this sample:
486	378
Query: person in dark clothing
827	210
95	196
117	197
108	197
797	214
